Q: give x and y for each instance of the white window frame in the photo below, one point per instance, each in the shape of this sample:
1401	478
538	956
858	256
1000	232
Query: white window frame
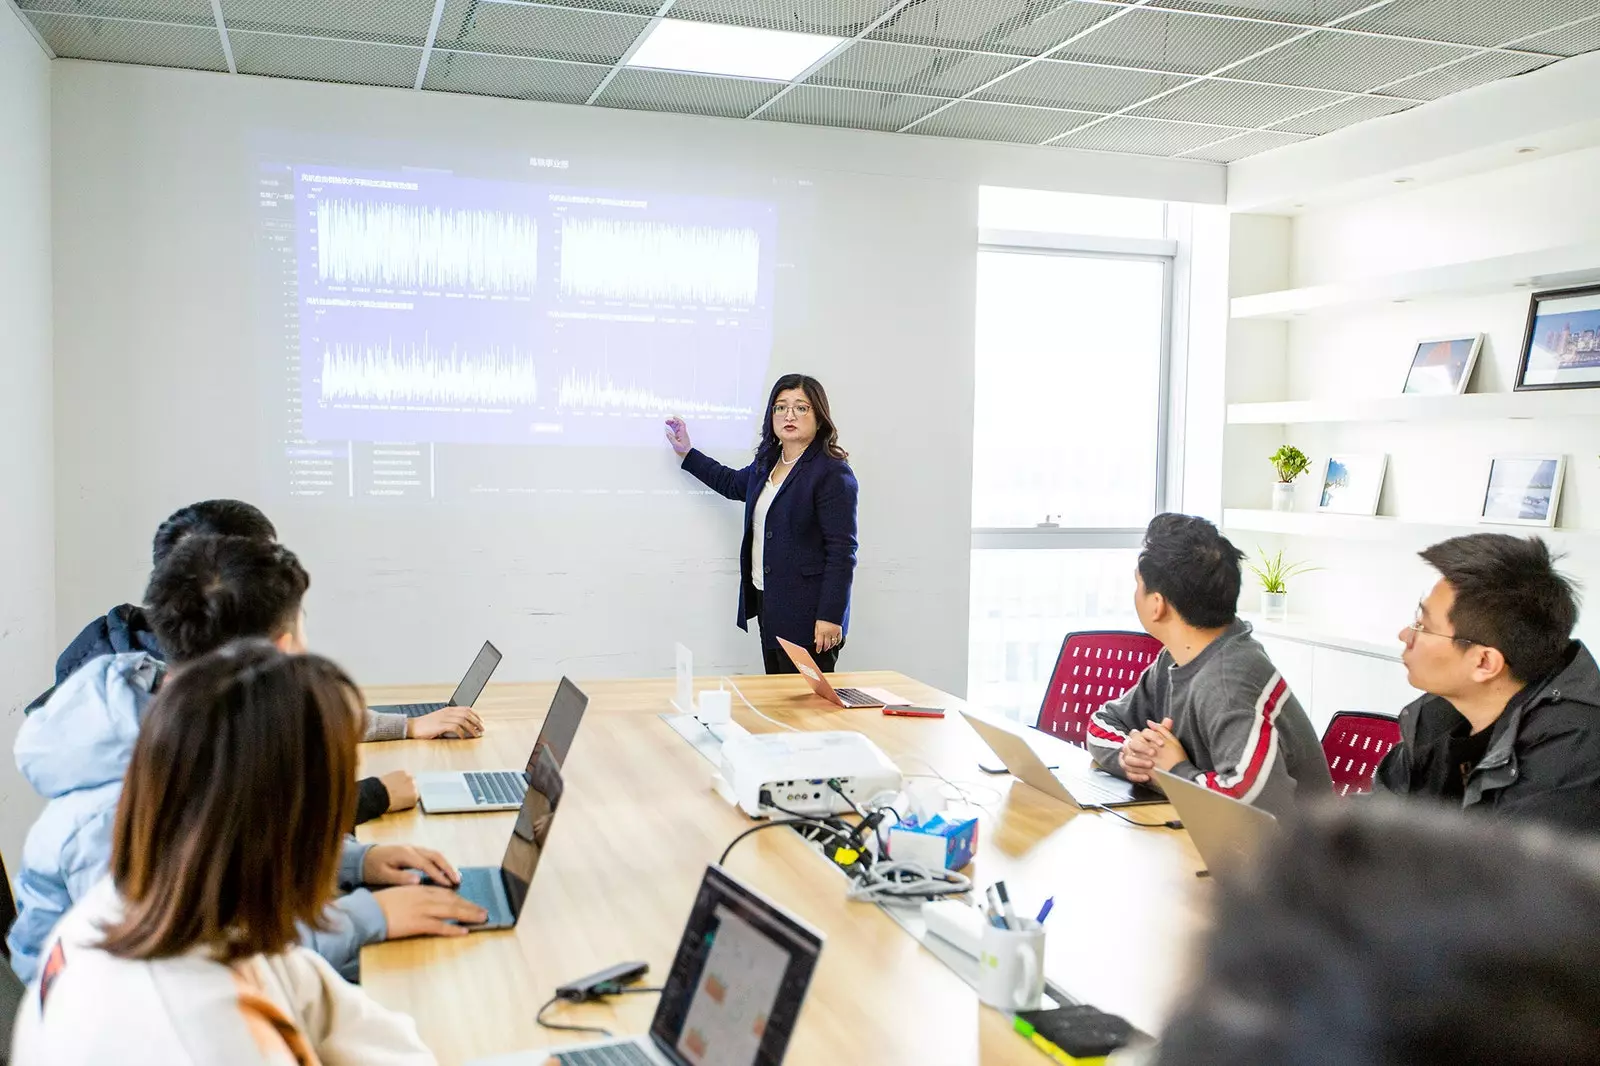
1093	246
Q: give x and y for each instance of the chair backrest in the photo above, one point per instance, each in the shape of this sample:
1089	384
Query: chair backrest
11	989
1093	667
8	910
1354	743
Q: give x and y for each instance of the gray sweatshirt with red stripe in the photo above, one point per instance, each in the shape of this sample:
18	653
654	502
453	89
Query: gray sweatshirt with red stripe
1244	732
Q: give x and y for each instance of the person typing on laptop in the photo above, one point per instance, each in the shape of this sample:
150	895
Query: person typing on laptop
75	751
1212	708
187	952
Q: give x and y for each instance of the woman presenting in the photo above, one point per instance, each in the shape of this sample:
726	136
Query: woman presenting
799	551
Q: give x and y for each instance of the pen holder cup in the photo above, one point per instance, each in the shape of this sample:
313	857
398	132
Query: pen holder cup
1011	966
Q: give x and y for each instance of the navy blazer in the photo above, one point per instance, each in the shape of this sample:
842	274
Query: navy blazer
810	549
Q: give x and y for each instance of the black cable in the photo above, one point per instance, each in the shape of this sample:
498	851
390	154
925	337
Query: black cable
595	993
834	783
566	1028
774	823
1171	823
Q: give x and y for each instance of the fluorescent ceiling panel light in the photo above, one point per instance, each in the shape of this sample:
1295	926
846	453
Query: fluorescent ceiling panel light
738	51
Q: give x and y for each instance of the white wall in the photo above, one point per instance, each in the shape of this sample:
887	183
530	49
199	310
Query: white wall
152	243
27	536
1436	470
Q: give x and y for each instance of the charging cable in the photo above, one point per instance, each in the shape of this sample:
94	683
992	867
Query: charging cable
754	709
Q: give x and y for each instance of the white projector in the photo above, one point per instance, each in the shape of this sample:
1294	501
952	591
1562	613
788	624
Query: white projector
794	769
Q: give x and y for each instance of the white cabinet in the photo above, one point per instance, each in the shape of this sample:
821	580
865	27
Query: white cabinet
1327	680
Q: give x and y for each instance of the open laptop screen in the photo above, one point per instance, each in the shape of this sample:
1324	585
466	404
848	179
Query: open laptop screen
737	982
476	677
560	724
531	830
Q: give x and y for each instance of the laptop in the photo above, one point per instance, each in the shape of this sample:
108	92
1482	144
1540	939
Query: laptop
1077	780
455	791
466	693
1228	834
503	890
840	697
733	994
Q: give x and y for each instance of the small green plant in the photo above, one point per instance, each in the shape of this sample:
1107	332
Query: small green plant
1290	462
1274	573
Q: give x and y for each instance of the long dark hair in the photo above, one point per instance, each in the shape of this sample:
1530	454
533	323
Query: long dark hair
241	788
827	432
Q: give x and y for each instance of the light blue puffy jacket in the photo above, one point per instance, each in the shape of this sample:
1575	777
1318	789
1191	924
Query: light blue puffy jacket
74	751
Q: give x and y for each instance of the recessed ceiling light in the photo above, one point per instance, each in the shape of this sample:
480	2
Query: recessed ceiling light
1527	149
738	51
1404	181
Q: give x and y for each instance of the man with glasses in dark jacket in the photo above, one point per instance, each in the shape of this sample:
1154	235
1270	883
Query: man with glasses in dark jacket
1511	720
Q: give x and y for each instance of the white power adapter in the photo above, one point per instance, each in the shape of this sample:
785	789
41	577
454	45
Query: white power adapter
716	705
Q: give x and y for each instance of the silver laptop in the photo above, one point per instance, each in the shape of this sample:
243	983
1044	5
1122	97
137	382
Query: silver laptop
466	693
733	994
455	791
503	890
1228	834
1077	780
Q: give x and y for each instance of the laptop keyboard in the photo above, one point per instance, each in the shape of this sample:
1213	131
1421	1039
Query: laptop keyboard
854	697
612	1055
410	710
499	786
1089	792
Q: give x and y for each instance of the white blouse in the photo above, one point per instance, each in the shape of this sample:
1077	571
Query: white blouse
758	533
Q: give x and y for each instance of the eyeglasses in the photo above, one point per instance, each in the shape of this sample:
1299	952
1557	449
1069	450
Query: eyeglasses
799	410
1416	626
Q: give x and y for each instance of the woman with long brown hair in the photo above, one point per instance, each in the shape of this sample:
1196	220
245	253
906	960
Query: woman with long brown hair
228	835
798	557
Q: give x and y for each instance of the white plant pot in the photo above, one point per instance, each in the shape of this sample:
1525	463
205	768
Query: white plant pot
1283	496
1275	606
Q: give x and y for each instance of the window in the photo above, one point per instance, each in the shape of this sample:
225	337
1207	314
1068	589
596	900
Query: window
1069	433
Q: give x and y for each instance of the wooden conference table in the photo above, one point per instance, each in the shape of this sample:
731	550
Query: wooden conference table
639	821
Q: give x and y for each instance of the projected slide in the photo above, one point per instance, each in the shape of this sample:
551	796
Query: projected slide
435	308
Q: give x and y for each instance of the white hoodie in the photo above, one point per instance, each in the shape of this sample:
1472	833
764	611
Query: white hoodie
89	1008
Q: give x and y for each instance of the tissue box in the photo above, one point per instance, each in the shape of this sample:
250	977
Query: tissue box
938	842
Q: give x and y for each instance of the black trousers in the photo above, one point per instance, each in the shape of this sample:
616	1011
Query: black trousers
777	660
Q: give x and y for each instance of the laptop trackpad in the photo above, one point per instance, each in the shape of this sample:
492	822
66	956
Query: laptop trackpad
444	792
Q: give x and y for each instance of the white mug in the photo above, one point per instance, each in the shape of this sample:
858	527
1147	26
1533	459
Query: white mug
1011	966
716	705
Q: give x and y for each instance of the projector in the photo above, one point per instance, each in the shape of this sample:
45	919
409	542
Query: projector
794	768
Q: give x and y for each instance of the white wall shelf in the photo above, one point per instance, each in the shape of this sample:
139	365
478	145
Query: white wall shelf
1381	529
1559	403
1308	631
1547	268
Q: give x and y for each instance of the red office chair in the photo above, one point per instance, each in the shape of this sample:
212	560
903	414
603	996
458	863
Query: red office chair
1093	667
1354	743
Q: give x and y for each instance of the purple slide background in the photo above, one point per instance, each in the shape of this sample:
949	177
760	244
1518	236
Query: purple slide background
707	357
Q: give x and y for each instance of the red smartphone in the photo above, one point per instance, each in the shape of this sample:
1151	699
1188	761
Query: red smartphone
908	711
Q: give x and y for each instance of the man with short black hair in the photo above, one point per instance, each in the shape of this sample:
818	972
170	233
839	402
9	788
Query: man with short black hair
126	628
1511	720
75	750
1211	708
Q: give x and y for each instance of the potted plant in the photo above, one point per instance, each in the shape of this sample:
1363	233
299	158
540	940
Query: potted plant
1274	575
1290	462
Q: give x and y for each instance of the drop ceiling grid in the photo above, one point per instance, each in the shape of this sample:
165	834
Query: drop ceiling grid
1253	75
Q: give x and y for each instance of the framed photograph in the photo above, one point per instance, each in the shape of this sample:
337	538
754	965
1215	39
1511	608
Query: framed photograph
1351	483
1523	490
1561	349
1441	366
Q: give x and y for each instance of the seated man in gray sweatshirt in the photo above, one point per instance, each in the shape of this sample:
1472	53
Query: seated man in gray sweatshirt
1211	708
